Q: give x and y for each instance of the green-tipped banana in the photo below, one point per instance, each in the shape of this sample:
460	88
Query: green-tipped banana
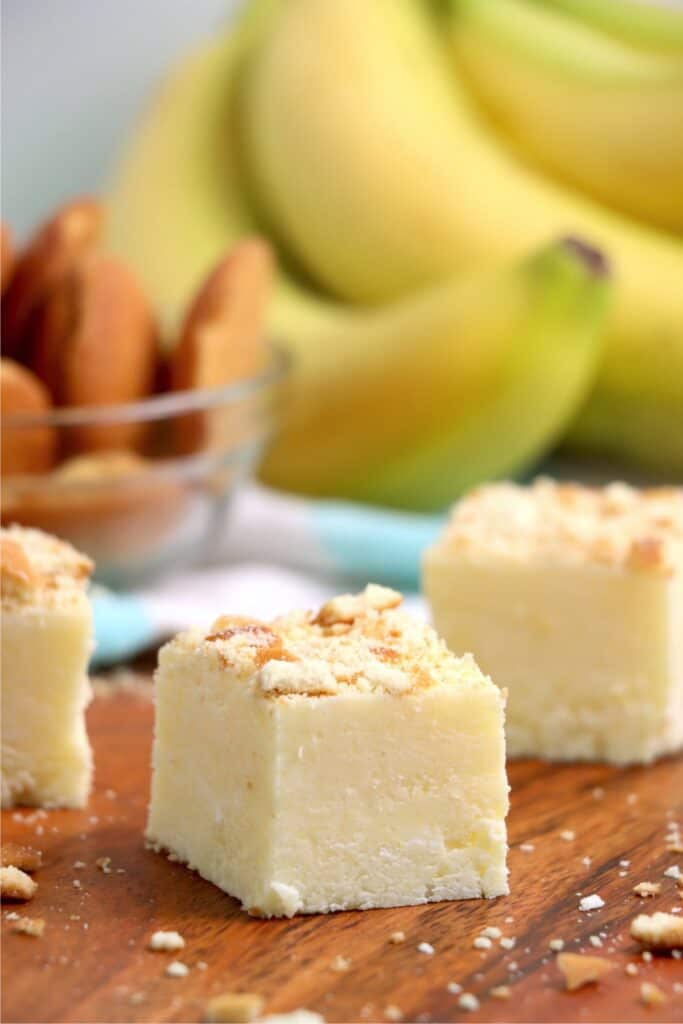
375	168
590	109
409	405
654	25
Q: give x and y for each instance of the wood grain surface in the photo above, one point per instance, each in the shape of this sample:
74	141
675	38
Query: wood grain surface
92	963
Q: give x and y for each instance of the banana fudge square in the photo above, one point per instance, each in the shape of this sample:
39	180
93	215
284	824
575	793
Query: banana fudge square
47	638
572	598
330	761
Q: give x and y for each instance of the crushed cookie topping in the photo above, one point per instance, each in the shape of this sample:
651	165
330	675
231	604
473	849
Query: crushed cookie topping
250	634
348	607
18	578
361	641
39	568
617	526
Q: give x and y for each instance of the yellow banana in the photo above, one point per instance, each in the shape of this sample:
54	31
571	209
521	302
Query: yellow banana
176	202
405	405
410	404
369	159
645	24
174	207
590	109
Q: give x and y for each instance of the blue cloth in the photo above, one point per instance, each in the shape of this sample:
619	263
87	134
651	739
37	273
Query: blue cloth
343	542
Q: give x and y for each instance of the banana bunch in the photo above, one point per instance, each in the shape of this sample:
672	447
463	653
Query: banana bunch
423	169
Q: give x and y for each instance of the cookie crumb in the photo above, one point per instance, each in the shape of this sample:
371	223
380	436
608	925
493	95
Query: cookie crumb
659	931
233	1008
592	902
646	889
579	970
427	948
340	964
467	1001
16	884
501	992
557	945
14	855
393	1012
651	995
397	937
166	942
33	926
177	969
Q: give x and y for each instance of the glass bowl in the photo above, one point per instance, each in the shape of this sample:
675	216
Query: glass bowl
143	487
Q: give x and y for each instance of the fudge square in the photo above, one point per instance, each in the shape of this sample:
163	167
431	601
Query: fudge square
331	761
47	638
572	599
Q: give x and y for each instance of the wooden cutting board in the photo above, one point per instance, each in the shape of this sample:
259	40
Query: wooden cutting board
92	963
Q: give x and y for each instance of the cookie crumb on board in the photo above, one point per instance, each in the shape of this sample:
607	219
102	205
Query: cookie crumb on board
166	942
16	884
33	926
579	970
646	889
15	855
177	969
592	902
468	1001
659	931
233	1008
650	995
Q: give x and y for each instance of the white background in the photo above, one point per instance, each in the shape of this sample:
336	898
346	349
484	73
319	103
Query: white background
75	73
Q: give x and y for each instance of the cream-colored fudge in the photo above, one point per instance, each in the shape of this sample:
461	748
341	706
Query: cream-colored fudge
46	642
330	761
572	599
